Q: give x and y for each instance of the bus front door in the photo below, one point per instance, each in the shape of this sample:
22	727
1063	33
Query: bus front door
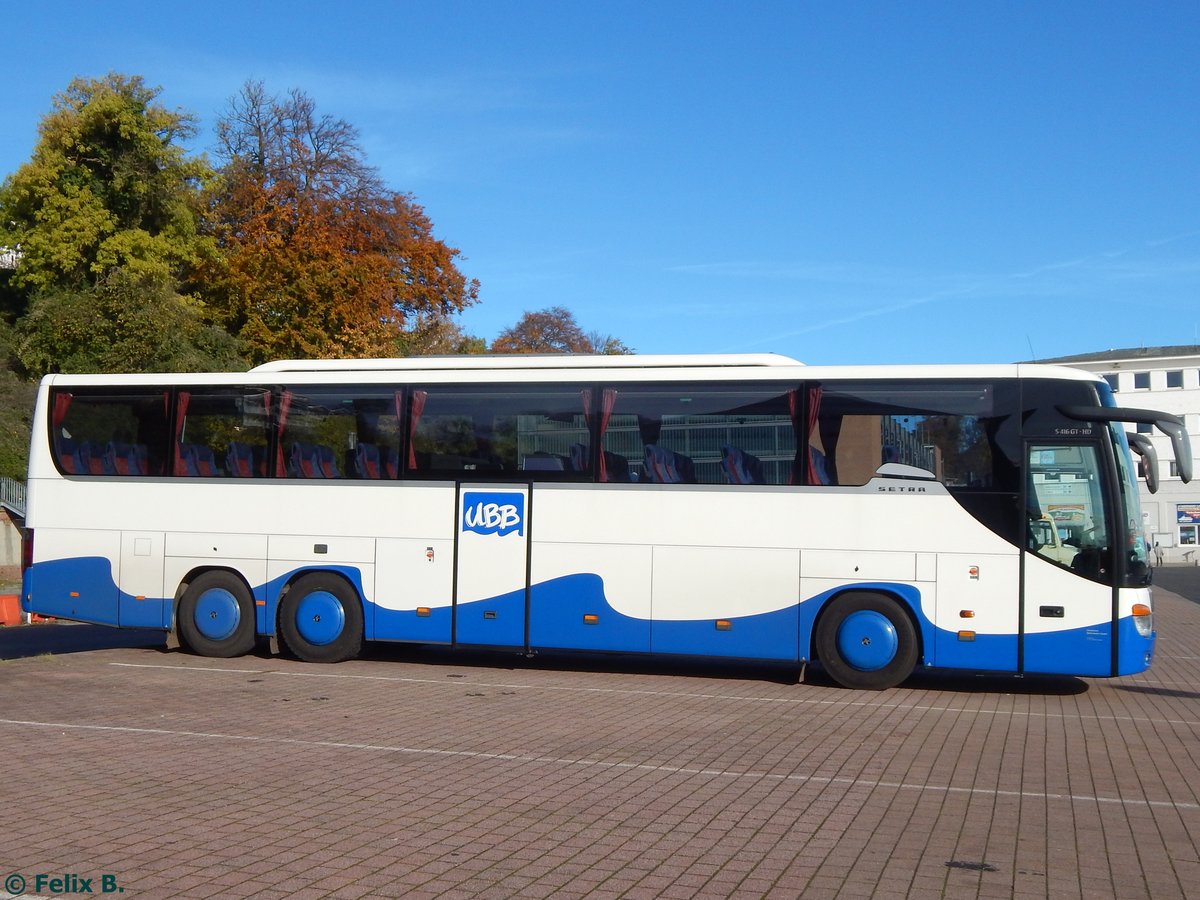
1067	594
492	565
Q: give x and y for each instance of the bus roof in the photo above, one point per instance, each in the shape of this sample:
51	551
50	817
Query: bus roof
466	362
518	368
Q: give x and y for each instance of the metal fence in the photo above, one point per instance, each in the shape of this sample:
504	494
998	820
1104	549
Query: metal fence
12	496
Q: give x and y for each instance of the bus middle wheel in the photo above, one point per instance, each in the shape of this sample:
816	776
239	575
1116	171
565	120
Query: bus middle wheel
216	616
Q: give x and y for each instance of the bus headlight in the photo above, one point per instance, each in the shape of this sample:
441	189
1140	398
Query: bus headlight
1143	619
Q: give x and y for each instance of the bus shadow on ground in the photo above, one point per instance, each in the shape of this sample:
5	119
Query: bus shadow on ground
705	667
581	661
964	682
23	641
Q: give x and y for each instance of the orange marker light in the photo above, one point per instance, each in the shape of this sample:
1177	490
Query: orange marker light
966	613
589	619
1141	609
724	625
966	635
423	611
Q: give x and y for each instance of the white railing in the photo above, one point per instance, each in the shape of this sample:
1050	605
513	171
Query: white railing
12	496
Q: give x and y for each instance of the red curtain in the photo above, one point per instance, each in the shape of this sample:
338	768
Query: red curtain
62	403
182	400
285	404
814	410
418	407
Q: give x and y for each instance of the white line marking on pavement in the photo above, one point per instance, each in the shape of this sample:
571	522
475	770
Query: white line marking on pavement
596	763
601	763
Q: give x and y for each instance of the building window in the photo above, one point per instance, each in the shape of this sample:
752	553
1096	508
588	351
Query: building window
1187	535
1112	380
1141	381
1145	428
1175	379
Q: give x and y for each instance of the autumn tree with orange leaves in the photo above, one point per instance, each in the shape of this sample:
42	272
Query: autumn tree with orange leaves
554	330
318	258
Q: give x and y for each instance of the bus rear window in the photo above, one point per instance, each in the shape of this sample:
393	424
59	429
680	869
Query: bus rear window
110	433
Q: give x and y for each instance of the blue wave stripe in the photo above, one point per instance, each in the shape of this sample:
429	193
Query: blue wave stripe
83	588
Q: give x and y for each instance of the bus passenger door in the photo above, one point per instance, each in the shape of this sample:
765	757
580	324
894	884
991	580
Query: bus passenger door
492	565
1067	593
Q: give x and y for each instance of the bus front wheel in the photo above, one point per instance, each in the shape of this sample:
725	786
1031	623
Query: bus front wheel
216	616
866	641
321	619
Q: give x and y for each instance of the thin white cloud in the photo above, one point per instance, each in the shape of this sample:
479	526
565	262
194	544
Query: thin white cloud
1080	277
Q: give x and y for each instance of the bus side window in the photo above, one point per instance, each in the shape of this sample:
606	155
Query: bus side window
539	431
221	432
334	433
948	428
704	434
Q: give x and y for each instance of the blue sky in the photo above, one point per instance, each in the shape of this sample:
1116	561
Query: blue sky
839	182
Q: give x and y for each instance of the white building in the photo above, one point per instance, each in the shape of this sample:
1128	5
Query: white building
1166	379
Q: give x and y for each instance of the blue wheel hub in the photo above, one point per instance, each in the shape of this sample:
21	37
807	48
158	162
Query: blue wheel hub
320	617
867	640
217	615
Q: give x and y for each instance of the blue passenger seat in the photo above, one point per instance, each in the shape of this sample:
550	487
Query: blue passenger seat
664	466
741	467
127	459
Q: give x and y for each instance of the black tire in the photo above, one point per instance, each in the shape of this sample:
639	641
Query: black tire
216	616
321	619
866	641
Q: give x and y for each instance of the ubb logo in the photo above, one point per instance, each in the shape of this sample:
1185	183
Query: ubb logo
494	513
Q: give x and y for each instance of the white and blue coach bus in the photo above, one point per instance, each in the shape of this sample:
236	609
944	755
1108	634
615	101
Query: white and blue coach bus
873	519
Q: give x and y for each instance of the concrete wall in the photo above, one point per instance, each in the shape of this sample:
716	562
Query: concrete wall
10	547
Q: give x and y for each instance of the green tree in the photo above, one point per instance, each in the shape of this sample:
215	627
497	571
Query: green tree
319	259
109	186
127	322
554	330
16	410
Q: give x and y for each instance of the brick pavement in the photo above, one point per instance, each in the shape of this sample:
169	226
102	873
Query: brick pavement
420	774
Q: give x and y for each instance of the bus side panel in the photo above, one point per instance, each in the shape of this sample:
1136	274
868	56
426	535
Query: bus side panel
74	575
977	611
413	590
141	603
590	597
755	588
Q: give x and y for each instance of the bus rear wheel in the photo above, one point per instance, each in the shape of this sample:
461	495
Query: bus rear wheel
866	641
216	616
321	619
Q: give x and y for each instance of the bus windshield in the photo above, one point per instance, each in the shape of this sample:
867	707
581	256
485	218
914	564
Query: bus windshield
1129	516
